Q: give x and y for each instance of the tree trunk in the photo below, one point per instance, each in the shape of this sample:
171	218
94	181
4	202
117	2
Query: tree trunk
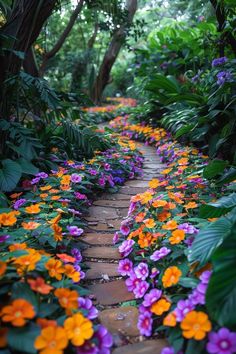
112	52
30	65
226	37
62	38
23	25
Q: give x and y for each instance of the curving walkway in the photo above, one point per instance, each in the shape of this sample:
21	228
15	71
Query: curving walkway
116	305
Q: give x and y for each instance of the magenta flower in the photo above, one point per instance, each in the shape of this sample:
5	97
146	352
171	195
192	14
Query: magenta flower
86	304
115	238
124	229
168	350
80	196
183	307
3	238
93	172
142	271
74	230
140	289
132	281
103	340
222	342
125	267
188	228
152	297
161	253
145	323
102	181
126	247
75	178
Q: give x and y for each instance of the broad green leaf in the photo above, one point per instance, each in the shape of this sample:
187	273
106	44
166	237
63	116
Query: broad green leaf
10	174
214	168
218	208
27	167
183	130
22	339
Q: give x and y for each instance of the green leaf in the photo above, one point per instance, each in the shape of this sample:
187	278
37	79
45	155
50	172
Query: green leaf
214	168
27	167
221	291
208	239
227	177
220	207
183	130
194	347
188	282
10	175
22	339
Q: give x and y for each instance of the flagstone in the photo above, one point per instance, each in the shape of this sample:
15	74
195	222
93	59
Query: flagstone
111	293
112	203
102	252
145	347
98	238
100	270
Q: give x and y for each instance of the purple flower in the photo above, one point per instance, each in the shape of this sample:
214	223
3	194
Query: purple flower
168	350
102	181
197	298
141	270
77	254
115	238
219	61
86	304
74	230
80	196
35	180
103	340
162	252
223	76
76	178
93	172
126	247
124	229
75	212
107	167
152	297
205	276
125	267
222	342
19	203
188	228
132	281
42	175
145	323
3	238
183	307
140	289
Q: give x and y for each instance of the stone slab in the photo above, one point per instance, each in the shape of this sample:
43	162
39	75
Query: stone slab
101	213
145	347
112	203
98	238
102	252
133	190
115	196
138	184
100	270
113	225
111	293
121	320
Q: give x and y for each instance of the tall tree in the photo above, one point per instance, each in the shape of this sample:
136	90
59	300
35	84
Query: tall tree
112	52
51	53
22	28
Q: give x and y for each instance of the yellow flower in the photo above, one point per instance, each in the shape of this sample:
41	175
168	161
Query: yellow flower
154	183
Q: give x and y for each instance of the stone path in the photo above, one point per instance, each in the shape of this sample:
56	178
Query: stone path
111	297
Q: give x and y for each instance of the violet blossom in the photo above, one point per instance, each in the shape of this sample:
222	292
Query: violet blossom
145	323
86	304
125	267
140	289
141	271
222	342
161	253
183	307
126	247
75	230
151	297
19	203
219	61
76	178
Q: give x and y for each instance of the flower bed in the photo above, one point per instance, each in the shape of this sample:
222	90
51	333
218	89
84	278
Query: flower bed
43	306
172	261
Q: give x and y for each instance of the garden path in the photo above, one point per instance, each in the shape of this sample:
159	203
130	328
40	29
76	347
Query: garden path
109	291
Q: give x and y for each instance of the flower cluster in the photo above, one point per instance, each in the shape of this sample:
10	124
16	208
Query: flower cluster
156	238
41	267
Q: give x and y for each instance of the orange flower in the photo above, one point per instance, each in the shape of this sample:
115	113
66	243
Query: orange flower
166	171
31	225
3	337
43	322
160	306
15	195
140	217
55	191
170	206
18	312
57	232
171	276
27	262
51	340
183	161
72	273
43	195
149	223
65	187
33	209
68	299
78	329
145	240
154	183
55	268
55	220
39	286
163	216
191	205
8	219
55	197
170	320
145	197
3	268
65	179
170	225
195	325
17	246
159	203
45	188
66	258
177	237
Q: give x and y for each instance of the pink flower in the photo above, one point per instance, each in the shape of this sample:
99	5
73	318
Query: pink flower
126	247
145	324
140	289
132	281
152	297
161	253
76	178
222	342
125	267
124	229
183	307
141	271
